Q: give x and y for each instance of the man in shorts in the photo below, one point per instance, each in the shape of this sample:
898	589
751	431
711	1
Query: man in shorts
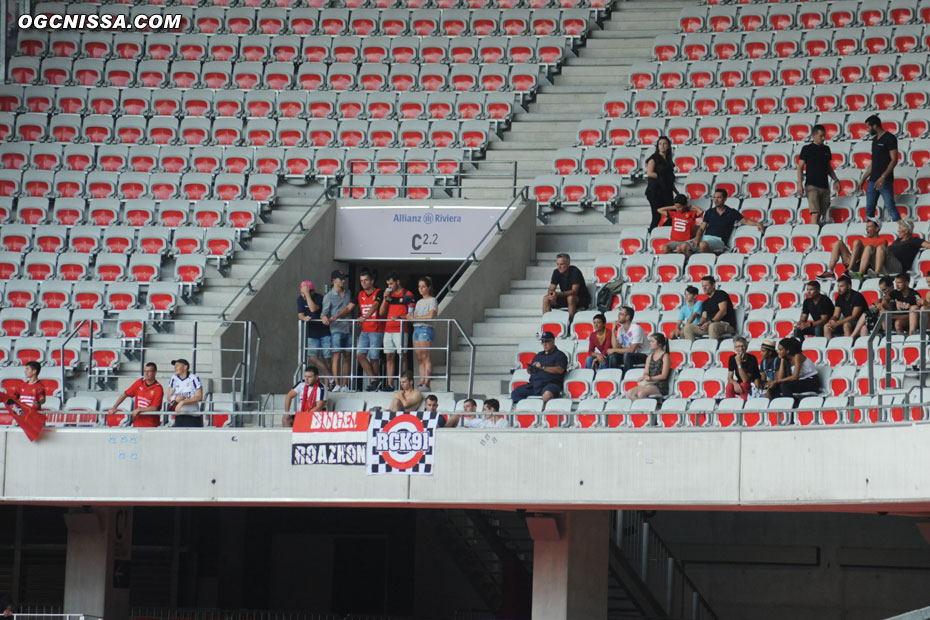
311	395
547	372
682	218
816	311
319	340
185	392
718	225
370	341
817	160
148	394
398	302
337	315
407	398
567	288
861	258
900	255
849	307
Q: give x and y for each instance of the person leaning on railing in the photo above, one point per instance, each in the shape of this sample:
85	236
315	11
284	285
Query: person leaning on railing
423	333
338	310
319	338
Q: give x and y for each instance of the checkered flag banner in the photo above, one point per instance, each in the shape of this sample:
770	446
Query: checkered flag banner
401	443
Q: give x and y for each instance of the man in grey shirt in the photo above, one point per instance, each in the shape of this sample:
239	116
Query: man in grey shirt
338	312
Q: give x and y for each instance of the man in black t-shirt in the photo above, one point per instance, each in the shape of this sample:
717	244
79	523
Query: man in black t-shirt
718	319
904	298
817	160
900	255
714	232
815	313
567	288
850	304
880	172
319	340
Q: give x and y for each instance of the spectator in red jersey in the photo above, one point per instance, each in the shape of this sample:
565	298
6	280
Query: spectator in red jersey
371	340
683	218
311	393
398	302
148	393
31	391
598	344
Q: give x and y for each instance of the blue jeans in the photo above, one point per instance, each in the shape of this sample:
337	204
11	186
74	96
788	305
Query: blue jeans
590	362
370	343
871	200
320	347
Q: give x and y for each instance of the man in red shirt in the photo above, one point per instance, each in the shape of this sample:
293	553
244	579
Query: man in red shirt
370	341
310	392
31	391
148	394
683	219
398	302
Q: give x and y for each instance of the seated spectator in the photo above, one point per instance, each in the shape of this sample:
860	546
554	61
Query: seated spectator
469	406
816	311
899	256
689	313
567	288
718	319
185	391
547	372
742	371
850	306
311	393
490	419
628	345
904	298
873	313
598	344
682	217
796	375
319	339
31	392
431	405
658	366
148	394
407	398
861	258
770	363
718	224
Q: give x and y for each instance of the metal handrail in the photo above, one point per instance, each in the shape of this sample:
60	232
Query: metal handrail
63	367
273	255
884	327
472	257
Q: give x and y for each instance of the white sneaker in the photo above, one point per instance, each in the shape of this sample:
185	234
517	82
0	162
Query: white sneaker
336	388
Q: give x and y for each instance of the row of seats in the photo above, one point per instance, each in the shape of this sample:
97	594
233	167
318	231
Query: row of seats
861	97
161	298
600	5
819	42
806	15
58	322
548	50
108	267
362	22
247	76
777	72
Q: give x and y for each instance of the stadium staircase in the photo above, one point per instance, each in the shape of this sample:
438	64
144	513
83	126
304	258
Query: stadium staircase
492	547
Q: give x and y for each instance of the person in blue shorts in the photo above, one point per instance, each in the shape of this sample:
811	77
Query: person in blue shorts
718	224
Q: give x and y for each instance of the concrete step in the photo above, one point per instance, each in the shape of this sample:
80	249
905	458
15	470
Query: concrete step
608	63
575	100
555	116
646	36
519	301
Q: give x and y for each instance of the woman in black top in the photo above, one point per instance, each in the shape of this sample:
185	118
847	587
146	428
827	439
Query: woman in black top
660	179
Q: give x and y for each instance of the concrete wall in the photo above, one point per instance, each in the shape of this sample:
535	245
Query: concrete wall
502	260
273	308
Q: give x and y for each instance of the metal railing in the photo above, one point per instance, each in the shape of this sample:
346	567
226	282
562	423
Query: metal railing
40	616
480	175
885	327
273	256
655	565
472	258
355	379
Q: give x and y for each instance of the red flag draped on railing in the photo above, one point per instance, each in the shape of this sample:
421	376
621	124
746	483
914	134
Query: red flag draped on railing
29	419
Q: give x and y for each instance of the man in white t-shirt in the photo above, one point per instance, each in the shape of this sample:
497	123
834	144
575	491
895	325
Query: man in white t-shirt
310	395
628	347
185	391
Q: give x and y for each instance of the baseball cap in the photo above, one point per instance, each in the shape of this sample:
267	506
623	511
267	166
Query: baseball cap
547	336
182	361
768	344
337	274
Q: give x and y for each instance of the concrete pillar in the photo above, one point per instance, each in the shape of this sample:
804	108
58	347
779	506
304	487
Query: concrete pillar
97	564
570	565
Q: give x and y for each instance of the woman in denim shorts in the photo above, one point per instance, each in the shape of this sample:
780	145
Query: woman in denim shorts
423	333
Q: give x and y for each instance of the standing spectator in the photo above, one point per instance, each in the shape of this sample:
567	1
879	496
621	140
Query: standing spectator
598	344
900	255
863	254
658	366
407	398
423	333
566	288
148	394
319	340
718	319
371	340
718	224
683	218
689	313
770	363
796	374
660	179
547	372
816	311
903	298
817	160
30	392
337	314
880	172
185	391
742	370
628	347
873	313
850	306
397	304
311	393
